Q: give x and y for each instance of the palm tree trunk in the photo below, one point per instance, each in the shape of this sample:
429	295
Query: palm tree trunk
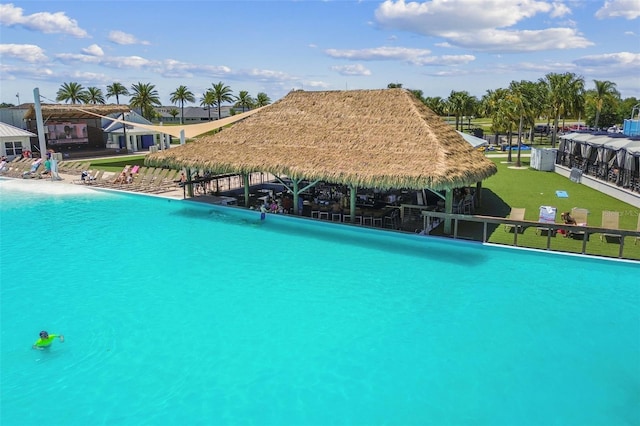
510	138
519	140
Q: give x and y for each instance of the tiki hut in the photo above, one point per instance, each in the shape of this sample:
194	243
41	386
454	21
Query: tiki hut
362	138
74	112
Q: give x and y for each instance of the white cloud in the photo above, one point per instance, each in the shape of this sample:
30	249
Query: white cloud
176	69
23	52
120	37
89	77
627	60
410	55
45	22
559	9
317	84
351	70
522	41
11	72
628	9
481	25
267	75
379	53
93	50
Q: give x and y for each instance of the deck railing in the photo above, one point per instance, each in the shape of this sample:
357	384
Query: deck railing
550	228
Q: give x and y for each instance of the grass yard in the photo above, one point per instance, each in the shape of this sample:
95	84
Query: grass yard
531	189
116	164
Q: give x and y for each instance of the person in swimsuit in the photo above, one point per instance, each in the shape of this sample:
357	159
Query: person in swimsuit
46	339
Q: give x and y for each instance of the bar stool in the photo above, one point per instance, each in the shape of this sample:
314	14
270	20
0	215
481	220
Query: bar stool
336	217
315	214
358	220
377	221
323	215
346	218
367	220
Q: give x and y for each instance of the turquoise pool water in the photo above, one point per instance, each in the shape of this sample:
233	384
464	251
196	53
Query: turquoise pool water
177	313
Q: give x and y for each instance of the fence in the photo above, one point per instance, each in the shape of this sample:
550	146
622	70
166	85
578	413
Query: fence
550	228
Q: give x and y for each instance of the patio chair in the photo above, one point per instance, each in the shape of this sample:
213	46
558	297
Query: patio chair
517	213
580	217
610	220
547	215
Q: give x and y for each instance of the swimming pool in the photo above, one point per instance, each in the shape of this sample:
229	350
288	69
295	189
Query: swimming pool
179	313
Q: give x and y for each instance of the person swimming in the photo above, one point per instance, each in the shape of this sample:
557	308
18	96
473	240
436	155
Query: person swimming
46	339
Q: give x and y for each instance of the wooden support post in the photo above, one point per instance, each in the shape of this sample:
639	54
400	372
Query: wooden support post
448	207
245	178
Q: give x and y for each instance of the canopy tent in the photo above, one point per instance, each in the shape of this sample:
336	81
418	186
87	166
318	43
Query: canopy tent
612	151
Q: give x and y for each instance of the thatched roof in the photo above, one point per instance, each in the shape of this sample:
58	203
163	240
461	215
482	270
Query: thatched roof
67	112
368	138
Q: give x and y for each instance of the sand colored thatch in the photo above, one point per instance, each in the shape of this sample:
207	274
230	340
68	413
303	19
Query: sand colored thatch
80	111
367	138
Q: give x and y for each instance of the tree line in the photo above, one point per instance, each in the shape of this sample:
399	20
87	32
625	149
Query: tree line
145	97
517	108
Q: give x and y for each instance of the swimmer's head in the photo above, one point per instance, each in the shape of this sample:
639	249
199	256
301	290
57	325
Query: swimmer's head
44	334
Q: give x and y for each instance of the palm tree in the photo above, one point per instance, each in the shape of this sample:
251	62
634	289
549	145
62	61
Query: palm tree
222	93
521	96
491	107
94	96
262	100
605	91
145	97
71	92
418	94
244	100
182	95
116	89
537	96
565	93
208	100
436	104
174	113
460	104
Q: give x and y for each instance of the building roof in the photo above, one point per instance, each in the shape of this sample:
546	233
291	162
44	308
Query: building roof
368	138
9	131
66	112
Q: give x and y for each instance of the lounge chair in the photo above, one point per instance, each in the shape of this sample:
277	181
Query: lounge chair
610	220
32	172
95	178
580	217
17	168
547	215
517	213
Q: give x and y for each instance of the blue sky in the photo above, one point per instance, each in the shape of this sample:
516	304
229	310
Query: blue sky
275	46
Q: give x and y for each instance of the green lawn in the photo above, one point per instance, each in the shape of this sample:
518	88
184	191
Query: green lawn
531	189
117	164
